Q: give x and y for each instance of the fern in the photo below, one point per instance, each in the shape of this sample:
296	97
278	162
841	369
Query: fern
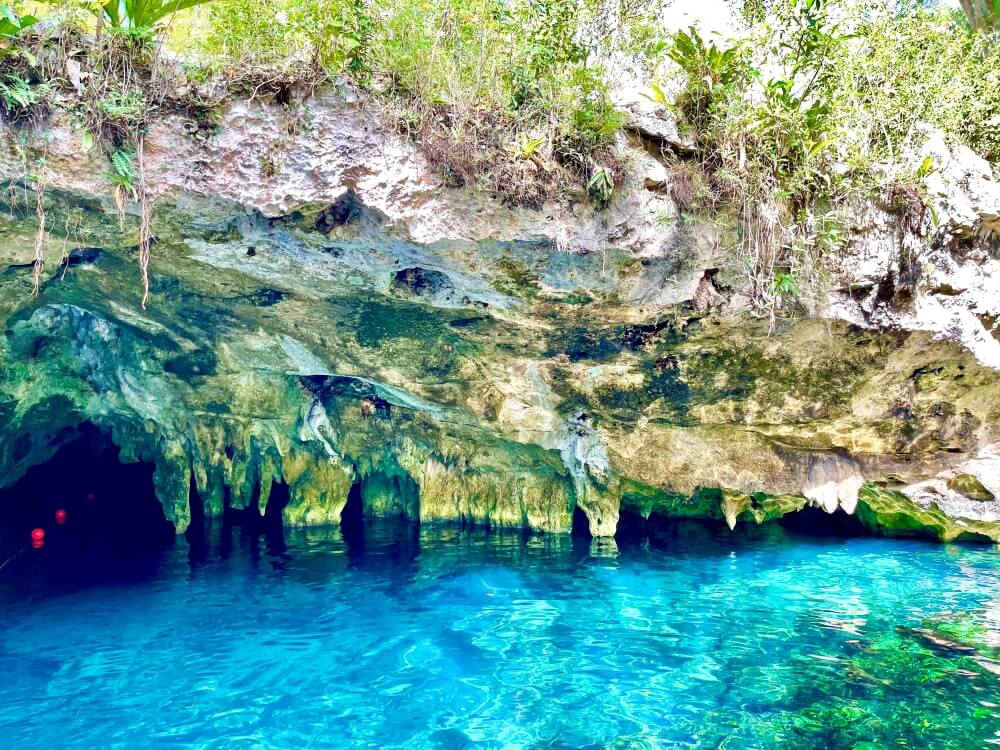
17	93
124	175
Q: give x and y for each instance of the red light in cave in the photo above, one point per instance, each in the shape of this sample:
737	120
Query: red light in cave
37	538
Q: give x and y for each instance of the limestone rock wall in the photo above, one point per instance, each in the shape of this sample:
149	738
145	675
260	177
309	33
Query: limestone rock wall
340	322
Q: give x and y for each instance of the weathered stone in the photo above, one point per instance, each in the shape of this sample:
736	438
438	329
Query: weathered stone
893	514
349	328
652	120
928	263
972	488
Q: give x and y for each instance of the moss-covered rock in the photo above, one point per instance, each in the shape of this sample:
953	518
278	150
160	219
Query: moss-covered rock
970	487
893	514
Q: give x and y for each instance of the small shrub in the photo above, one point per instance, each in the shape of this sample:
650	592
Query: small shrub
118	116
601	186
138	17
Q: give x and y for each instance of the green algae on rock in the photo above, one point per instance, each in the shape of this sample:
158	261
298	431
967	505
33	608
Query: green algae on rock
894	514
970	487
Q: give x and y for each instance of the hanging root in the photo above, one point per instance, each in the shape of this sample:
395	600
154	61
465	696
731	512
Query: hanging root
68	231
39	265
760	250
145	235
120	205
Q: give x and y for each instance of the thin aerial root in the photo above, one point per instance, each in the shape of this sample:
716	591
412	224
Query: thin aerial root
39	265
145	236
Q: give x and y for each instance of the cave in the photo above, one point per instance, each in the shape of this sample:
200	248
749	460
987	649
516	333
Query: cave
95	510
381	504
382	495
631	524
277	501
813	521
581	524
251	530
352	517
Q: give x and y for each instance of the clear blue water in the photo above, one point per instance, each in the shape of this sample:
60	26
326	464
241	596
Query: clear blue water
450	639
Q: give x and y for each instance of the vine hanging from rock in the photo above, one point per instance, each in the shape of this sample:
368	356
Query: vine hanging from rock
145	232
38	266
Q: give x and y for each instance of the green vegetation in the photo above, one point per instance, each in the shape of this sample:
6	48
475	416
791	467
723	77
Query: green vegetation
19	100
124	175
11	26
506	96
139	16
764	140
814	105
818	104
918	66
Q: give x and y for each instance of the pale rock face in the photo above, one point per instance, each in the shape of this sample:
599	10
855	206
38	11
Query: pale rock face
337	148
274	160
652	120
941	490
939	272
654	173
961	186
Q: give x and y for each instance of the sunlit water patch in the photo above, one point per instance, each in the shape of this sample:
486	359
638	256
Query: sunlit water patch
449	639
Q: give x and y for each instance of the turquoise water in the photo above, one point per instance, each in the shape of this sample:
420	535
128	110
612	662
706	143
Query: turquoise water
447	639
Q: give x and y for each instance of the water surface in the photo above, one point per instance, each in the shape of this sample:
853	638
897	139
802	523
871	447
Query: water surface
440	638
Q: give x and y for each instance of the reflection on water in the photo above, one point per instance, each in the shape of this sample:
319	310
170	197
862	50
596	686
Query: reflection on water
406	637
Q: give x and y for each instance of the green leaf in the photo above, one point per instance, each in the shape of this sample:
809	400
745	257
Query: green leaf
8	13
926	167
821	146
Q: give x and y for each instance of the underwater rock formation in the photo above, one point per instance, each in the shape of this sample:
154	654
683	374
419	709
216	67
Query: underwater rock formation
345	324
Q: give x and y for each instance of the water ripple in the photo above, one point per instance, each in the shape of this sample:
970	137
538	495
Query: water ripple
458	640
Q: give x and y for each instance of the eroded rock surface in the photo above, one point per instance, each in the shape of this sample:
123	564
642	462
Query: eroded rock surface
341	320
928	260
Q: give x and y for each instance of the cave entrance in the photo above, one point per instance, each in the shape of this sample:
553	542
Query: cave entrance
252	530
277	501
581	524
383	506
352	517
382	513
383	496
632	525
813	521
108	509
